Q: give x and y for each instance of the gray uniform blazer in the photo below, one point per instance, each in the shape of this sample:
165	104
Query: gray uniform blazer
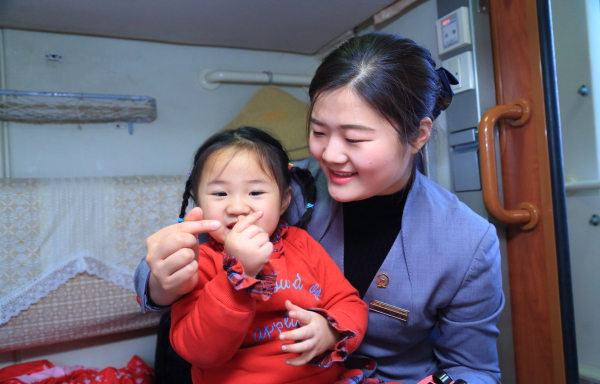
443	278
440	287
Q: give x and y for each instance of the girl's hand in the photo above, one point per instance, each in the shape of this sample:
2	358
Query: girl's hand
315	333
173	257
249	243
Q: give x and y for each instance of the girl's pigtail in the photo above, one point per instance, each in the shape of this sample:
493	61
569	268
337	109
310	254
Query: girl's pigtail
185	200
306	181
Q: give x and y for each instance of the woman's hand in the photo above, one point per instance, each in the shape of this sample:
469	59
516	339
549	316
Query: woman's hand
173	257
249	243
315	333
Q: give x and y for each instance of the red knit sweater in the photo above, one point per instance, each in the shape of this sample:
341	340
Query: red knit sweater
231	337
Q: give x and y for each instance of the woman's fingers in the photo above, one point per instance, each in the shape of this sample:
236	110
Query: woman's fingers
195	214
193	224
172	257
176	261
197	227
169	240
184	279
173	254
173	243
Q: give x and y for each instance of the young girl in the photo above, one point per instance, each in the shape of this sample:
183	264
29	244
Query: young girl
255	269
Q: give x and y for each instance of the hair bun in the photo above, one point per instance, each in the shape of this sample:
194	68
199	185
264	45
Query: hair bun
446	94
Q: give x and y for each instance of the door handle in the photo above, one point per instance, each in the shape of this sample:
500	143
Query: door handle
517	114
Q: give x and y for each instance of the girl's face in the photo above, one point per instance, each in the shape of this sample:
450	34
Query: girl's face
358	149
233	184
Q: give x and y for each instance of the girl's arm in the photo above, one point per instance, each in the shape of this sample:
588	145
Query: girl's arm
209	324
342	310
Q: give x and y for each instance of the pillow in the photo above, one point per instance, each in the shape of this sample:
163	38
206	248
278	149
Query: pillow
279	113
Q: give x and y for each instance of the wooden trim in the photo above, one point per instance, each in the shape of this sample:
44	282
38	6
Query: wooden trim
532	262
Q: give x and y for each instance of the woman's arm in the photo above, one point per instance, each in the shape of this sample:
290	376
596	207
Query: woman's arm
140	281
466	348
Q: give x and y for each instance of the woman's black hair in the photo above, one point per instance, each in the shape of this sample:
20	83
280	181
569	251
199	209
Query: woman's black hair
272	157
393	74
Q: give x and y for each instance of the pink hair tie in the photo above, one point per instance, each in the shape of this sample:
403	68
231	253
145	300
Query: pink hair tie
290	166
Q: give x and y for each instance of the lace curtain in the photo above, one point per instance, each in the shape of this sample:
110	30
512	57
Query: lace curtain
53	229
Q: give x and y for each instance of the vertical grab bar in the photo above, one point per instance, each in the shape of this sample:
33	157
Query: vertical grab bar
527	213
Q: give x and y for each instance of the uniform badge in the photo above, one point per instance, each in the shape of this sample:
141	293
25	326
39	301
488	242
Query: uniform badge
382	280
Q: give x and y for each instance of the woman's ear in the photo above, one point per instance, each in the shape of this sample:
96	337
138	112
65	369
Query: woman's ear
424	134
286	199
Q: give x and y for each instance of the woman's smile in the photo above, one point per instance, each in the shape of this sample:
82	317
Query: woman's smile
341	177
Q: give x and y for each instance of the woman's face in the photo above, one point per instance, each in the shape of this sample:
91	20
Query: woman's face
358	149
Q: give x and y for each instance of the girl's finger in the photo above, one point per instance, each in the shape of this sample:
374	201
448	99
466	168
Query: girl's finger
298	313
266	248
302	347
246	221
301	333
254	230
304	357
292	307
260	238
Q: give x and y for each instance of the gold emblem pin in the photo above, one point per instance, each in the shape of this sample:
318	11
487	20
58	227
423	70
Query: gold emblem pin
382	280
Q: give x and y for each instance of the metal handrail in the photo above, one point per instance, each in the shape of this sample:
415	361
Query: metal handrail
571	186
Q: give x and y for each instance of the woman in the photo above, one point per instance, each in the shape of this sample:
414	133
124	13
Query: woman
424	263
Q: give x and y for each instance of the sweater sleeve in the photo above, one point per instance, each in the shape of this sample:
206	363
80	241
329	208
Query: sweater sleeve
198	332
466	347
141	277
343	307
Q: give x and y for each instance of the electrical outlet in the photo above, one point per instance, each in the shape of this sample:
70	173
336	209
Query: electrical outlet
453	30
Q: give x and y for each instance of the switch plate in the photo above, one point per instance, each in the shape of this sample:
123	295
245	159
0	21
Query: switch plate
453	30
465	170
461	66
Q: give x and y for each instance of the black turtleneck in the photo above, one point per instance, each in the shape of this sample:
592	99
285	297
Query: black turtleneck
370	228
